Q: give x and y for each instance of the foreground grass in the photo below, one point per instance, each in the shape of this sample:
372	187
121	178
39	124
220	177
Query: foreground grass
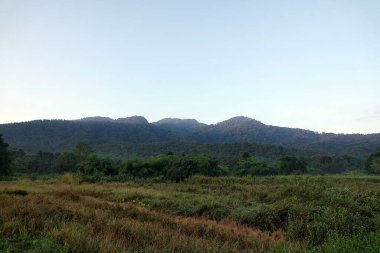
267	214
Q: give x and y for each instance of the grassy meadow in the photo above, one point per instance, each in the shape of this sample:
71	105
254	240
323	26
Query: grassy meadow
201	214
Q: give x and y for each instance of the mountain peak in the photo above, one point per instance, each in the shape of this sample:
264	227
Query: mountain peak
96	119
179	123
240	120
133	120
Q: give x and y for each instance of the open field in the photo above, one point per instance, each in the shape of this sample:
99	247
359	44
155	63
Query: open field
202	214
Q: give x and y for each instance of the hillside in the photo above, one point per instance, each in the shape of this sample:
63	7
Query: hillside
115	136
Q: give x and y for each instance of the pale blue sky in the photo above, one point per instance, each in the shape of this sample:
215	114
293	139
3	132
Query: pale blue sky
307	64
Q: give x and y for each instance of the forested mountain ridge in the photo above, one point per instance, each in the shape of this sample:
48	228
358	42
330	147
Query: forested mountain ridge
180	124
108	134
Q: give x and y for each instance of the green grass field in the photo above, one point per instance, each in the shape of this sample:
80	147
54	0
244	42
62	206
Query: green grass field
202	214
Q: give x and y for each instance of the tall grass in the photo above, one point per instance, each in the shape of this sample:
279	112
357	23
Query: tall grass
255	214
68	221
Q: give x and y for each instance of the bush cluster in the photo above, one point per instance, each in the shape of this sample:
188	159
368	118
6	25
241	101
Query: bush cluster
170	166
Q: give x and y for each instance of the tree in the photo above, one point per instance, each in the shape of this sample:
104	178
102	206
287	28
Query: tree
18	158
95	165
5	160
290	164
246	156
253	167
372	164
68	161
42	163
83	150
332	164
375	165
172	167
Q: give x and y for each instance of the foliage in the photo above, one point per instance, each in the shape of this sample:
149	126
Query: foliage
83	150
95	165
253	167
372	164
173	167
329	164
68	162
292	165
31	245
375	165
69	178
42	163
176	167
5	160
369	243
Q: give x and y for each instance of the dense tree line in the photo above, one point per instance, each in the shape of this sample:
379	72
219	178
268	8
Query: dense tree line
84	161
258	160
175	167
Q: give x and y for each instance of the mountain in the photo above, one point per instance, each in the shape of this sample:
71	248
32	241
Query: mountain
242	129
63	135
239	121
133	120
179	124
96	119
109	135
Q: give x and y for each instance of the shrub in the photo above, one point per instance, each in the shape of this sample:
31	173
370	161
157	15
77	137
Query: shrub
70	178
369	243
172	167
340	214
95	165
253	167
17	192
372	164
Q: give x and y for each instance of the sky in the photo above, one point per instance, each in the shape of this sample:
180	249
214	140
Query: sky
296	63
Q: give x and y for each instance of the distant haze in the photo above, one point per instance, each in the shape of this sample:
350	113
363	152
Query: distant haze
306	64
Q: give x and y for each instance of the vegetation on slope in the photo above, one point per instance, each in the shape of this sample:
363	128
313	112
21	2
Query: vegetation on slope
114	136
